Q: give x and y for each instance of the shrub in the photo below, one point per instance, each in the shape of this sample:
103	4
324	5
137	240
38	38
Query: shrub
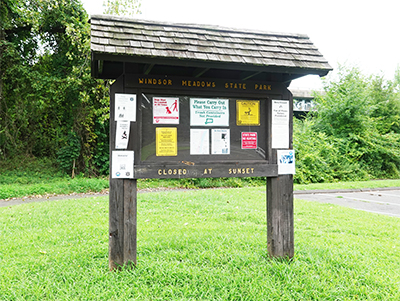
67	155
352	135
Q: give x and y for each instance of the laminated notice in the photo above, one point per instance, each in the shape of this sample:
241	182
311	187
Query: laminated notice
165	110
199	141
286	162
249	140
280	124
220	142
122	164
209	112
122	134
166	142
125	107
248	112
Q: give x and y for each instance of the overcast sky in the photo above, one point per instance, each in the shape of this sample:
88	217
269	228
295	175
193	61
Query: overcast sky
351	32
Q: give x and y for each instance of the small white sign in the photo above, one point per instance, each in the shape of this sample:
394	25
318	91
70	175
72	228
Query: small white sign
125	107
209	112
280	124
220	142
280	136
286	162
199	141
122	164
280	112
165	110
122	134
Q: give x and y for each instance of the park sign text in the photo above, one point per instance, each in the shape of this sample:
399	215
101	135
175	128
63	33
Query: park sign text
189	83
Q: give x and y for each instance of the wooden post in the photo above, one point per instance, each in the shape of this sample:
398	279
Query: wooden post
280	221
122	223
122	205
280	225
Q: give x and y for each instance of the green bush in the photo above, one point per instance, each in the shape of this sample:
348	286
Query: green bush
68	154
101	153
321	157
353	134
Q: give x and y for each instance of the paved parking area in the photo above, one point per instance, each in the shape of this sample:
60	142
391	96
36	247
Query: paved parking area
383	201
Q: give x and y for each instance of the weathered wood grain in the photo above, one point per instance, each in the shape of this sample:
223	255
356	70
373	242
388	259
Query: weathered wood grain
280	224
130	222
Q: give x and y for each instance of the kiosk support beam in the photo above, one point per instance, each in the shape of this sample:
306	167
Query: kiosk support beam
122	223
122	205
280	224
280	221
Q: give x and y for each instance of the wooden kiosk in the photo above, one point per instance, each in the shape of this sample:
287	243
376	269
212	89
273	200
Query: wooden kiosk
192	101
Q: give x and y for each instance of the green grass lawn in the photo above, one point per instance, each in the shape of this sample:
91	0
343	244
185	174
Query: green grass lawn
197	245
25	176
14	185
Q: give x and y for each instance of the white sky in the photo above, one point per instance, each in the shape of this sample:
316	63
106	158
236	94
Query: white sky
361	33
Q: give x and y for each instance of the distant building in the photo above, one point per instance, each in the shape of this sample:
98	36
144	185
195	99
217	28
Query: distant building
303	102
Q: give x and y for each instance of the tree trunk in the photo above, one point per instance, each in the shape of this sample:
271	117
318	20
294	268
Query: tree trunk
73	169
2	47
2	40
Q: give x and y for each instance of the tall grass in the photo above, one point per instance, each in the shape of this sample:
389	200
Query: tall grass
197	245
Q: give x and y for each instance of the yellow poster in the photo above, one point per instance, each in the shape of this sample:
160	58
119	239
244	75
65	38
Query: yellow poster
247	112
166	142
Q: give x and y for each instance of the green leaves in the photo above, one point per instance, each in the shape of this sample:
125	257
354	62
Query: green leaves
69	153
344	107
354	134
46	89
127	8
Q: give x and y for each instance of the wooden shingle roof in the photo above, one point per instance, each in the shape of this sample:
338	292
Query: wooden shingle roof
201	45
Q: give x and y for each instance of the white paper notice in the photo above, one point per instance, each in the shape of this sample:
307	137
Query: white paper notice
199	141
286	162
209	112
122	135
220	142
125	107
165	110
280	124
280	136
122	164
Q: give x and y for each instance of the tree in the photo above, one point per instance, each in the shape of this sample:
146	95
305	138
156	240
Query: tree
345	107
49	103
127	8
17	52
354	134
385	97
47	89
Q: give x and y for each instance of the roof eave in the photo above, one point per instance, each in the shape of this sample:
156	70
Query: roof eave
299	70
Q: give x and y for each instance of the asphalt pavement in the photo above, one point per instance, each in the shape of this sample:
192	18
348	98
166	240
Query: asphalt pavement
382	201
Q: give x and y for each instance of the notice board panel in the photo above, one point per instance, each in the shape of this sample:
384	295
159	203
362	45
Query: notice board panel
209	129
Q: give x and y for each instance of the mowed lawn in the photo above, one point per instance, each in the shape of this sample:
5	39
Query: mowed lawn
197	245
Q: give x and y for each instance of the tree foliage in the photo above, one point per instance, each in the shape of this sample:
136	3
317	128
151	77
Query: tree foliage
127	8
50	106
354	134
47	90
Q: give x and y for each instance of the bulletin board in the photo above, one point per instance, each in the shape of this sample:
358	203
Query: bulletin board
208	129
182	132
